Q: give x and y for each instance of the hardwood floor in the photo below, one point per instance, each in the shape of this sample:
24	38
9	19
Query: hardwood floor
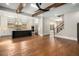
38	46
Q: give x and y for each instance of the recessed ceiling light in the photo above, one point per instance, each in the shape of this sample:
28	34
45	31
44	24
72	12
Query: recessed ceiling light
34	5
7	3
73	3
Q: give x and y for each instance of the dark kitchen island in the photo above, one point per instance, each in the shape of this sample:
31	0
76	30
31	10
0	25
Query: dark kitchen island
22	33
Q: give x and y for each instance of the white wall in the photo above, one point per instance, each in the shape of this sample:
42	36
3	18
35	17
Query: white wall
71	17
43	25
40	25
46	26
70	25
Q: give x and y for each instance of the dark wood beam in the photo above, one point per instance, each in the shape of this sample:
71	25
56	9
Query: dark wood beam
19	8
55	5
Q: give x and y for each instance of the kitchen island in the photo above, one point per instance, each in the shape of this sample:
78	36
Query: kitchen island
21	33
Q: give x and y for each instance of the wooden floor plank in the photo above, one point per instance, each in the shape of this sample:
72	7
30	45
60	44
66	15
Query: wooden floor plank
38	46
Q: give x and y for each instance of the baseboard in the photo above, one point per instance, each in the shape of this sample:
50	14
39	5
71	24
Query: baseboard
6	36
65	37
45	34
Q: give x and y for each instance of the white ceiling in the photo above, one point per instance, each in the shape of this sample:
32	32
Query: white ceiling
28	8
53	12
10	5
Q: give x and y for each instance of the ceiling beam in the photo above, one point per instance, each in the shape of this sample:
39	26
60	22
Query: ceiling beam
55	5
19	8
13	11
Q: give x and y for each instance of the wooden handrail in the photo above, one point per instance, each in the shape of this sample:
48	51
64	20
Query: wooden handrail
59	24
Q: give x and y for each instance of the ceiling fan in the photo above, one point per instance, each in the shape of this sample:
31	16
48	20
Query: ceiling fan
54	5
22	5
39	7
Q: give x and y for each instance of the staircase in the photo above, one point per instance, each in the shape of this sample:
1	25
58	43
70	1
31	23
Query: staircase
59	27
